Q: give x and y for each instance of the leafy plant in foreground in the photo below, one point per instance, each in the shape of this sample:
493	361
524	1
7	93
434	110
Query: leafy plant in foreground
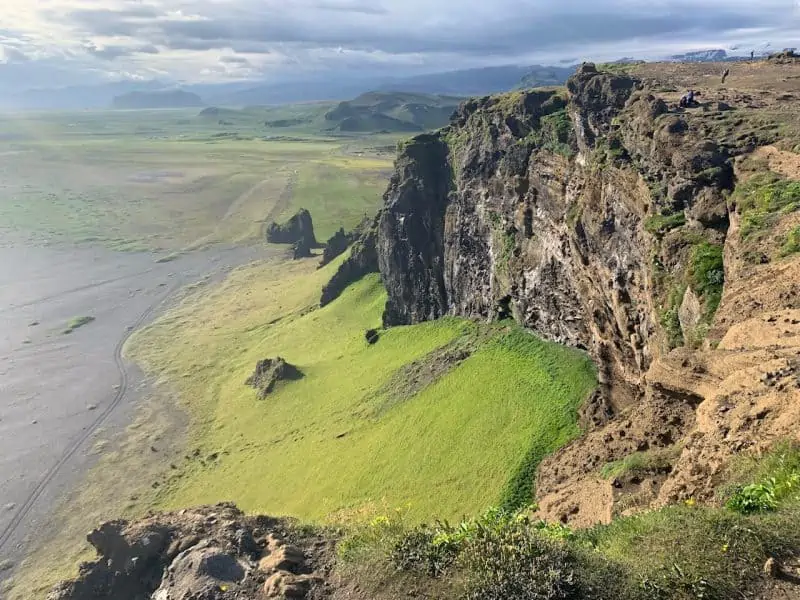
780	483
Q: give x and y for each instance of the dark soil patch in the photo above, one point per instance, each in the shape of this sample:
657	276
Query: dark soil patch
413	378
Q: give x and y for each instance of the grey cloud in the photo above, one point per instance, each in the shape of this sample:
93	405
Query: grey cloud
512	36
234	60
13	55
117	51
123	22
411	35
354	8
368	28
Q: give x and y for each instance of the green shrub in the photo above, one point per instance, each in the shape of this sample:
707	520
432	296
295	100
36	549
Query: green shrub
762	199
776	480
658	225
554	133
376	538
707	275
791	244
574	213
695	336
519	564
686	553
710	176
433	550
669	319
422	549
753	498
505	554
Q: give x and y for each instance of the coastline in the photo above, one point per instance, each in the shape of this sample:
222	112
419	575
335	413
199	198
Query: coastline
74	429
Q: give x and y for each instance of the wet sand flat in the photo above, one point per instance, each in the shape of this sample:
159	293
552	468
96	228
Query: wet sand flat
57	388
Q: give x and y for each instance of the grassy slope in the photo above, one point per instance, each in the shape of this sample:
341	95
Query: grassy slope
450	450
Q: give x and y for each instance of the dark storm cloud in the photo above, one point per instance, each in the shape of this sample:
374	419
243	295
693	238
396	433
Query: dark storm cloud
510	37
370	27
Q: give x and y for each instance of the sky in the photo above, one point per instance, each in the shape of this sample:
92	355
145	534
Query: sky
69	42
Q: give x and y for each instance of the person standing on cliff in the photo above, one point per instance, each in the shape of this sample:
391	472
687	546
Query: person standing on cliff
687	100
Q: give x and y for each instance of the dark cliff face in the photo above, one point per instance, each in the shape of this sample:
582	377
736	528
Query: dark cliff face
363	260
534	204
411	233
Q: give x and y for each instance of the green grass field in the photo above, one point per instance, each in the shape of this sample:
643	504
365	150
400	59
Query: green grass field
169	180
323	446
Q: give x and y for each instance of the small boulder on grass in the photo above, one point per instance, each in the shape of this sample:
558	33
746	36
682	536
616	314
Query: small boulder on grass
269	372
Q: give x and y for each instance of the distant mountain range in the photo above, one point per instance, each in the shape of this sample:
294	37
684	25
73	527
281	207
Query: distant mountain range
467	82
701	56
390	112
717	55
479	82
160	99
464	82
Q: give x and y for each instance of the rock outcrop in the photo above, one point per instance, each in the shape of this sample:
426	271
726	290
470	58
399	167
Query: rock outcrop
341	241
301	249
208	553
338	243
269	372
363	260
299	228
599	218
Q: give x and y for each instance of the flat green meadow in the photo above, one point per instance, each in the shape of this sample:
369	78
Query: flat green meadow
170	179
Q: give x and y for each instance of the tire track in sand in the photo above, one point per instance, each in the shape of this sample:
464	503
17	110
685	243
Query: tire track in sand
284	200
27	506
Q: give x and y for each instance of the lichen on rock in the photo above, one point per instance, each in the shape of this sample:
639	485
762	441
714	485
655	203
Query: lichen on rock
269	372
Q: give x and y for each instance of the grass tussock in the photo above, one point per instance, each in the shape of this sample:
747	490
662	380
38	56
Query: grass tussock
707	276
791	244
659	225
76	323
763	199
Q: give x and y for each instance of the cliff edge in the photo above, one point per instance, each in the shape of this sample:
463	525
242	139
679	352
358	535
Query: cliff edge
657	238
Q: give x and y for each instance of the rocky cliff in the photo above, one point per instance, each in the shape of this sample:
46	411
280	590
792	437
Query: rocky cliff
604	217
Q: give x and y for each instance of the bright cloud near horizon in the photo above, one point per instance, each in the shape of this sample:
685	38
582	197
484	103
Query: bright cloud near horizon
60	42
